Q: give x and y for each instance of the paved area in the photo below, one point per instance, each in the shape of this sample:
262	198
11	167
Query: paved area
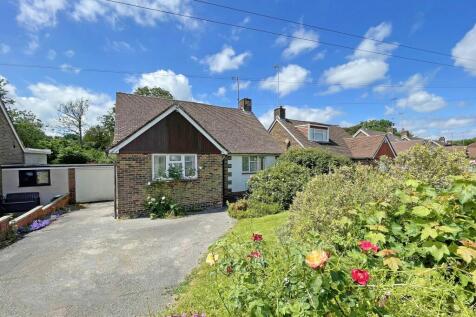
88	264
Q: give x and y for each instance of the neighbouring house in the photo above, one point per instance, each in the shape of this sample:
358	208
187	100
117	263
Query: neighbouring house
12	150
217	150
290	133
471	151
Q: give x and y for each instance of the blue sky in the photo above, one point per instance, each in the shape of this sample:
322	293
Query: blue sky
197	60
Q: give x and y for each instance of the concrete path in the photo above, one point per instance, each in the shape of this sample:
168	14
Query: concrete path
88	264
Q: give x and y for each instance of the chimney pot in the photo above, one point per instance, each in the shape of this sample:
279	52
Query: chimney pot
280	113
246	104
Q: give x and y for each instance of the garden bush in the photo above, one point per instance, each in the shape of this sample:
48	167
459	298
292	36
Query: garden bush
318	161
244	208
429	164
415	257
328	200
278	184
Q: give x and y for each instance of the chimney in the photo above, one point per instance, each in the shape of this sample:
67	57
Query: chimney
442	140
390	130
404	133
280	113
245	104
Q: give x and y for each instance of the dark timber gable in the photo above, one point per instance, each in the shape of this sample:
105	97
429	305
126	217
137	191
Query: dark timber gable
173	134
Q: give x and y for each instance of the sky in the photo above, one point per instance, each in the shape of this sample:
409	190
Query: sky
94	48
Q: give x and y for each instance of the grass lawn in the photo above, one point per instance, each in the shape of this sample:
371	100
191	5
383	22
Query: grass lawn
197	294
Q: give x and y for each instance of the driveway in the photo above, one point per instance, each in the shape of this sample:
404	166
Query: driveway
88	264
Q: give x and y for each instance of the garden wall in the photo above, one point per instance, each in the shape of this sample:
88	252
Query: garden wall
40	212
4	226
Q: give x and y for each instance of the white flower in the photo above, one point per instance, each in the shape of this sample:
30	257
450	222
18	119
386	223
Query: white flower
148	183
163	197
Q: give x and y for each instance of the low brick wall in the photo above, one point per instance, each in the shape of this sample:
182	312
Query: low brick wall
40	212
4	226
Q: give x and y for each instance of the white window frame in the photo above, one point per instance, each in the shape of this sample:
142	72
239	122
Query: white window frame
259	164
168	163
310	134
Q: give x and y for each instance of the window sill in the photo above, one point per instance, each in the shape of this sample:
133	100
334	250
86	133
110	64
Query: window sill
168	180
249	173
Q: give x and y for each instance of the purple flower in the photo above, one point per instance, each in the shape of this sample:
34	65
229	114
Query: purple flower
38	224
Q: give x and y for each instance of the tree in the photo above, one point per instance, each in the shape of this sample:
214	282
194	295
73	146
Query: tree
153	92
100	136
28	126
72	117
382	125
8	101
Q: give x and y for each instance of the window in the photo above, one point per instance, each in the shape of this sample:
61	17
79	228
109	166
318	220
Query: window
251	164
30	178
319	134
185	164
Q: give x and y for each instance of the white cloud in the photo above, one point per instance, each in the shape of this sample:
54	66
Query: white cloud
291	77
69	53
51	55
464	52
94	10
298	46
220	92
225	60
37	14
320	56
364	67
422	101
177	84
244	84
4	48
433	127
70	69
321	115
118	46
417	98
33	45
45	99
389	110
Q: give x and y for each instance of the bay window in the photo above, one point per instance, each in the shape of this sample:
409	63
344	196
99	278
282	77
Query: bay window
164	165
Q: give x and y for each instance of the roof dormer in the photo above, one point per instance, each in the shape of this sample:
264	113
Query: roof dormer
318	134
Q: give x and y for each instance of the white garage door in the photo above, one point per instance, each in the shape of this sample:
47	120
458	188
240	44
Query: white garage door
95	183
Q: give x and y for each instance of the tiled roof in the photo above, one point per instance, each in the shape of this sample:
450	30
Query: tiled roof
471	150
364	147
373	132
336	136
402	146
239	132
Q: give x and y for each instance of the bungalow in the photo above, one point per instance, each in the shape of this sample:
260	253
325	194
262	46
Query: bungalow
290	133
216	149
12	150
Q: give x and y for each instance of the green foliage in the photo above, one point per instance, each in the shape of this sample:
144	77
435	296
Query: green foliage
160	201
278	184
153	92
376	125
161	207
463	141
30	129
328	200
429	164
100	136
4	93
71	155
252	209
318	161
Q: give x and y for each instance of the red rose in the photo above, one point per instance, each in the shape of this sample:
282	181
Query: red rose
367	245
255	254
360	276
256	237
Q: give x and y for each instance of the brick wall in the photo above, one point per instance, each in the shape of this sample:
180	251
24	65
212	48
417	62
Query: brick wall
134	171
4	227
281	136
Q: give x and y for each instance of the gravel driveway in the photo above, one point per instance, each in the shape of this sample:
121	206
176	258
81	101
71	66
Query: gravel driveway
88	264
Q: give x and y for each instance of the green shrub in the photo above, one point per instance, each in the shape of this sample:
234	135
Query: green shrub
327	201
72	155
420	260
278	184
160	201
429	164
252	209
318	161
